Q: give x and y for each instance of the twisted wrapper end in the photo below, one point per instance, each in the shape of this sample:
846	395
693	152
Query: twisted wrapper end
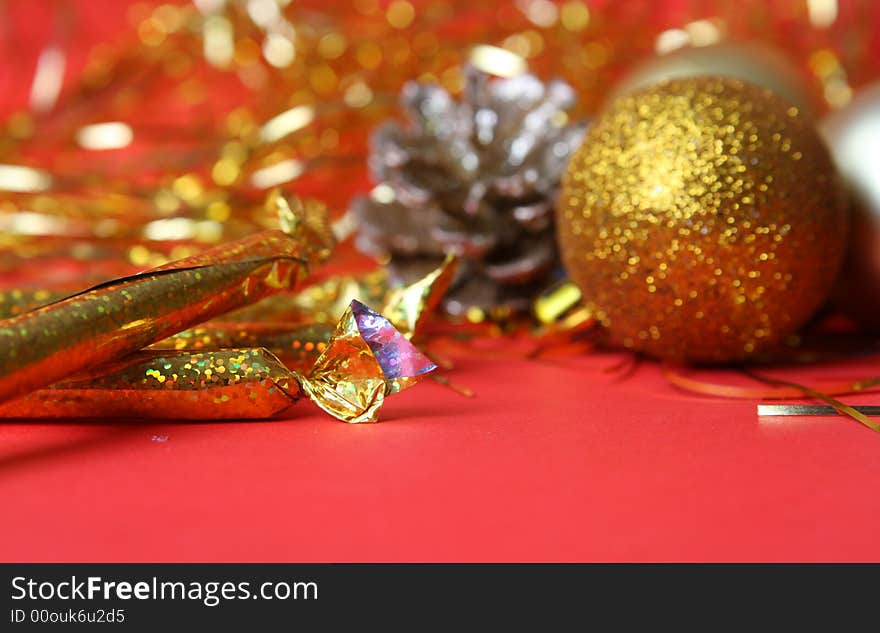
365	360
406	306
307	221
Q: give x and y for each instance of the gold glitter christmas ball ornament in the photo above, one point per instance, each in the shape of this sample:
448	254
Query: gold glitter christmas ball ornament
702	220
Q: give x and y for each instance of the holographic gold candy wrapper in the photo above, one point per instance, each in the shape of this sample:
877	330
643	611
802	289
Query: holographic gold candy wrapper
17	301
104	323
327	300
405	306
299	342
318	303
365	360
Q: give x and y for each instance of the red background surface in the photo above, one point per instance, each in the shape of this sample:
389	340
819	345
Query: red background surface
553	460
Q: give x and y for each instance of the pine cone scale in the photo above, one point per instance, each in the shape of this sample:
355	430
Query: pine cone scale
477	178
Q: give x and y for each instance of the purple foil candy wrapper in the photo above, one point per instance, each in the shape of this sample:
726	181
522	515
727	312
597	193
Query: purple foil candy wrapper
397	357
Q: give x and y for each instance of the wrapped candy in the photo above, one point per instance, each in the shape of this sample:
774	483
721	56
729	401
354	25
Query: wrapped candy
17	301
299	342
296	344
365	360
119	317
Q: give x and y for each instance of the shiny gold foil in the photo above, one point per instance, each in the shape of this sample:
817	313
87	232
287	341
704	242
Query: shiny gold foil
365	360
122	316
347	380
321	302
299	343
222	385
17	301
407	305
550	306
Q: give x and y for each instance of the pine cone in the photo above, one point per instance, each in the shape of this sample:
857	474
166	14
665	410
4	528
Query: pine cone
477	178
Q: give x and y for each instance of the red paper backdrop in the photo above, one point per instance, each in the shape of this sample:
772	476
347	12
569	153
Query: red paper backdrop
553	460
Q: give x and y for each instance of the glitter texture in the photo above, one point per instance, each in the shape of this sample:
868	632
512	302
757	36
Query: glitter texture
702	220
88	330
298	338
365	360
224	385
297	344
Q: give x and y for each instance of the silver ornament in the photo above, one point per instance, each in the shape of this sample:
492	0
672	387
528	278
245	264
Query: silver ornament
748	61
853	136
